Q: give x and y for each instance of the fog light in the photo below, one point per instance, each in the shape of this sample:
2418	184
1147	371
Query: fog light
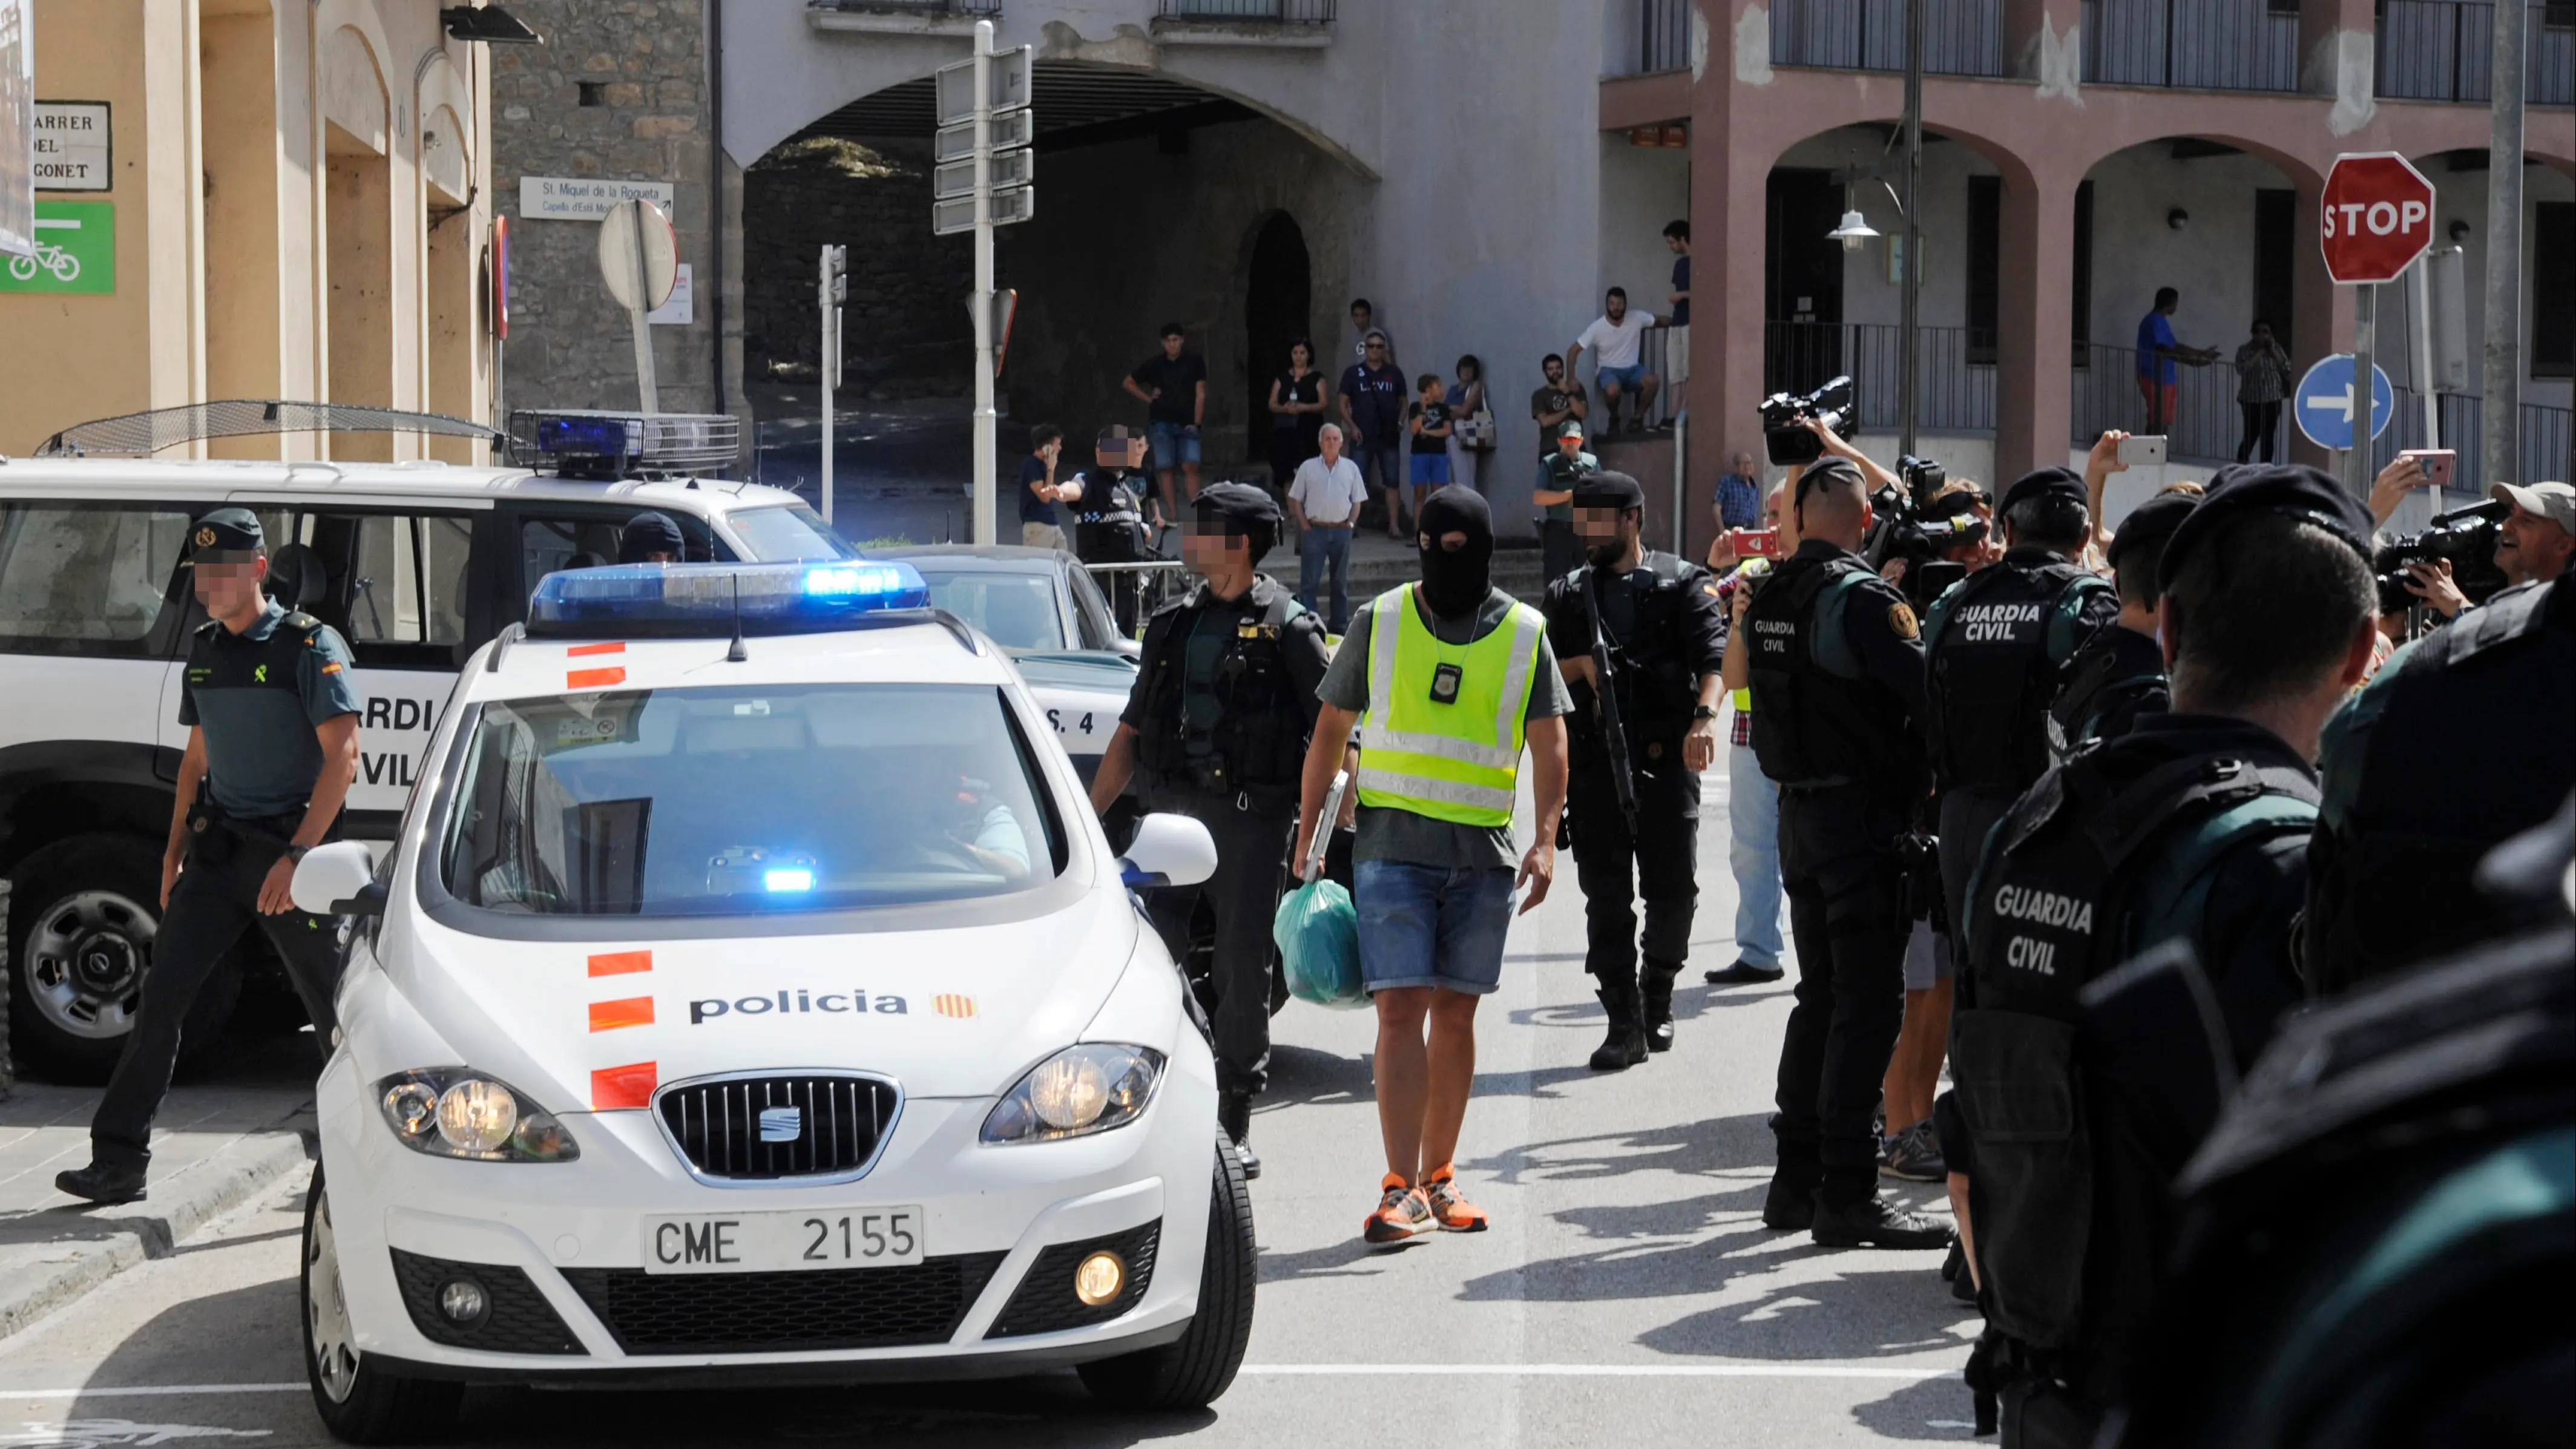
1099	1279
463	1301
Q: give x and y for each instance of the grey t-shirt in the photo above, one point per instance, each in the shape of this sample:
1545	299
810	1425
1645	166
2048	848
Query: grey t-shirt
1401	835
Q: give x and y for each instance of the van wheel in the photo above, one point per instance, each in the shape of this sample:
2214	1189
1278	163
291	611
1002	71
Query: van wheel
83	916
359	1402
1194	1370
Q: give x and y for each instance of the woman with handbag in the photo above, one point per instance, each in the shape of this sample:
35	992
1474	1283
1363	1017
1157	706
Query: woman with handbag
1296	413
1471	437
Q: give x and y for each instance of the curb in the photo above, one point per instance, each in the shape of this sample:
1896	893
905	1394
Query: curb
150	1229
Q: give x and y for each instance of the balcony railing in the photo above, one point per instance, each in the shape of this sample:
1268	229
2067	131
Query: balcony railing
2548	436
1953	394
1960	37
1663	42
930	9
2205	45
1257	12
1654	353
2444	50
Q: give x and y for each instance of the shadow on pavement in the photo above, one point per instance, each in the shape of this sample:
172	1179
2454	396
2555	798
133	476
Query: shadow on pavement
1705	1147
1933	1409
1307	1074
1344	1258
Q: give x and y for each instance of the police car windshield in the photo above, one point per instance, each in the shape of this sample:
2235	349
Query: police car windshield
786	533
751	799
1017	611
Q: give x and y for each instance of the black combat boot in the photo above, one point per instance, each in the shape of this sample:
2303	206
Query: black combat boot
1625	1046
102	1184
1658	991
1874	1222
1234	1118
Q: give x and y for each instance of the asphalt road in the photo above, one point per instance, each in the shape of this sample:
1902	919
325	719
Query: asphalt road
1627	1294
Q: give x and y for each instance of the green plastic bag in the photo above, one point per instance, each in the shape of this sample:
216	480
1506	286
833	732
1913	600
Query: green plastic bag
1318	935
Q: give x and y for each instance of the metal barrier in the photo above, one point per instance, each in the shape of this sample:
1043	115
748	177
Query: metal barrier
1960	37
1158	582
2444	50
2204	45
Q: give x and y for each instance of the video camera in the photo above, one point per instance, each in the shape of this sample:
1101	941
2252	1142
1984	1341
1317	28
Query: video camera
2466	537
1784	434
1912	525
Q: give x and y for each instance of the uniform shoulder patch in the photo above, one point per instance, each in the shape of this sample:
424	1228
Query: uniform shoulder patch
1901	620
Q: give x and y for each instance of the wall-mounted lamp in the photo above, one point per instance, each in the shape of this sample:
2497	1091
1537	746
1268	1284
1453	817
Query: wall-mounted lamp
2178	218
2459	230
489	24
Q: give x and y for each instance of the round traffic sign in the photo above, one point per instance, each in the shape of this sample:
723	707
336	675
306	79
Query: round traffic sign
620	255
2377	216
2323	404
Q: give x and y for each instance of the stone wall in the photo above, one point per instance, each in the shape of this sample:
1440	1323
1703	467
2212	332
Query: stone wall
905	329
618	91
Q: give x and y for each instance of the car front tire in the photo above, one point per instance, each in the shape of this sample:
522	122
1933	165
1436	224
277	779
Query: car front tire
359	1401
1197	1368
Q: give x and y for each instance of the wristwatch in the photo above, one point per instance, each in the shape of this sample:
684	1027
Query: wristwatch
296	853
1704	711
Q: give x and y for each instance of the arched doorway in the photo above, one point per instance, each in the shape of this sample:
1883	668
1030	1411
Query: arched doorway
1277	310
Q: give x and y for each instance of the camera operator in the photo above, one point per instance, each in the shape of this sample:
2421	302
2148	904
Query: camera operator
2082	1096
1837	679
2535	543
2119	674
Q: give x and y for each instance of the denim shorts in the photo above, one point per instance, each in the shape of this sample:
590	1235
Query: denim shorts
1173	444
1630	377
1430	469
1424	925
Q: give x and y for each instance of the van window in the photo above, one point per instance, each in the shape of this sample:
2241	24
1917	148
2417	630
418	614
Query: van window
788	531
82	578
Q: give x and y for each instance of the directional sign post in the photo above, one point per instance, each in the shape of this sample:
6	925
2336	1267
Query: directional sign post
639	257
984	180
2377	215
2324	404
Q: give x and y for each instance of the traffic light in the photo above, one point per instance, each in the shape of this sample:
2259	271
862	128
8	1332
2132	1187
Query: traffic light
836	273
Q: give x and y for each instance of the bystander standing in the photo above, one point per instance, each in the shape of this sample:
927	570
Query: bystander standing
1471	436
1427	424
1038	491
1372	402
1296	412
2158	382
1739	495
1173	387
2262	380
1325	500
1677	340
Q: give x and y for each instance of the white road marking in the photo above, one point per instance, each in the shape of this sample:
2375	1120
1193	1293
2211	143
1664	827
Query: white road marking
153	1391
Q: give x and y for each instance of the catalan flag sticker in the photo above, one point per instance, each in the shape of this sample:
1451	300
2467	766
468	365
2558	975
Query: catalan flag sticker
612	1088
626	1011
947	1004
594	678
620	963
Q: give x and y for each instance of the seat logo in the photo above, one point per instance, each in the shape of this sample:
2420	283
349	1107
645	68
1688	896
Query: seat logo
781	1124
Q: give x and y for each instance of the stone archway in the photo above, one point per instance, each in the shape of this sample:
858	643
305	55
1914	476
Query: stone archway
1278	310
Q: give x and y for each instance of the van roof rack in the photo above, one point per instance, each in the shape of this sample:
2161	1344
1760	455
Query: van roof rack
140	435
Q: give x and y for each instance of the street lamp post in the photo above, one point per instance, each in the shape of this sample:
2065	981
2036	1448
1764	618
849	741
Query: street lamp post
1907	363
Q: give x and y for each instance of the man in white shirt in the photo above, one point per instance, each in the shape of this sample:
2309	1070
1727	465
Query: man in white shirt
1325	501
1615	338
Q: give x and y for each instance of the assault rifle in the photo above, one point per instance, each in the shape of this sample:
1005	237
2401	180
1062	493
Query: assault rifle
1605	702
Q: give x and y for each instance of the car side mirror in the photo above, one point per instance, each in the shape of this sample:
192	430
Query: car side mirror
1169	850
339	879
1128	648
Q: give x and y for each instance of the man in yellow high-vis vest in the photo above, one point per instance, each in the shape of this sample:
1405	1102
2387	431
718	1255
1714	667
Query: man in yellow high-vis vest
1446	681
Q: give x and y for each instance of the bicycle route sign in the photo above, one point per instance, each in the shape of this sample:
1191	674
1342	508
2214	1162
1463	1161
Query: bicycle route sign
75	251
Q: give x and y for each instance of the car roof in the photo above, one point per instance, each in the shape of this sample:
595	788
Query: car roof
191	478
912	653
986	557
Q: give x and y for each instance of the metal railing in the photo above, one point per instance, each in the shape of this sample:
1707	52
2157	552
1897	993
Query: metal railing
978	8
1960	37
1663	41
2205	425
1272	12
2205	45
1654	354
2547	444
2444	50
1953	393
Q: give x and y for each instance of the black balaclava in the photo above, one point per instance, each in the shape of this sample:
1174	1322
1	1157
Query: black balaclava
1454	583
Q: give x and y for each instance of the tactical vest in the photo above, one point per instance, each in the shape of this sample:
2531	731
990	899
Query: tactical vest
1257	748
1992	675
1812	726
1658	688
1108	521
1445	725
2082	875
2098	683
2470	745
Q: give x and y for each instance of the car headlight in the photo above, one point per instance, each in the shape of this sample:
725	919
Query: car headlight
1078	1091
459	1112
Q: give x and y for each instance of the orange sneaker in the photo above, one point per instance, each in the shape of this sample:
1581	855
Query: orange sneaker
1449	1207
1401	1213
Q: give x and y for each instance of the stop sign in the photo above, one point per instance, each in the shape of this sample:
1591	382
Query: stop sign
2378	216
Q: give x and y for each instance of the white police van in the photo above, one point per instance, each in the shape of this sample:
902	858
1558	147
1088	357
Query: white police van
416	564
749	996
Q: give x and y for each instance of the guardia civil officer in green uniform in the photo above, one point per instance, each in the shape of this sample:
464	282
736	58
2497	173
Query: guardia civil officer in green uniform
1838	709
1664	631
2087	1069
1216	729
272	746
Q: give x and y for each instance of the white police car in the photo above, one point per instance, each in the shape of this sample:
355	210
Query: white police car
749	996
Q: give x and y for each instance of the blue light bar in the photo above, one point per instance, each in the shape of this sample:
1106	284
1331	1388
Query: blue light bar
789	880
706	601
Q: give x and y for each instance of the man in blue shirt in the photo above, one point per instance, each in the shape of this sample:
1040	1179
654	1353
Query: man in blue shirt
272	723
2157	354
1677	341
1373	396
1739	495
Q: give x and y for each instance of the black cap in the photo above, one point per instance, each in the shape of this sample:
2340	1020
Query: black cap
2044	483
1608	490
2292	491
649	533
226	530
2151	523
1239	506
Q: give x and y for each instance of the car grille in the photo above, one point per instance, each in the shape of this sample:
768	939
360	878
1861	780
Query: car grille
1045	1302
519	1319
840	1120
785	1312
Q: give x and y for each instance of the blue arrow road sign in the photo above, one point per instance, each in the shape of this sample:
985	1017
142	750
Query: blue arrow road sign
2323	404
